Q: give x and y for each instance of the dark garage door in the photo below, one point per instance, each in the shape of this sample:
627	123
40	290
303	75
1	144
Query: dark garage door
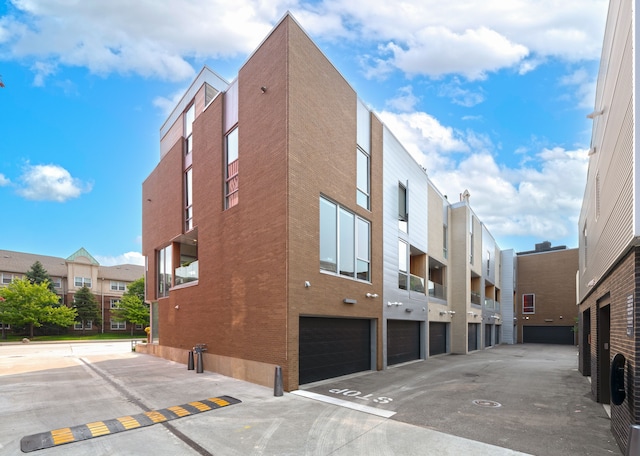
548	335
473	336
437	338
403	341
331	347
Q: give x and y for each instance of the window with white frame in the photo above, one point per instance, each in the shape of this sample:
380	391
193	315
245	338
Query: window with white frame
113	303
528	303
82	282
87	325
345	244
118	286
57	282
118	325
7	278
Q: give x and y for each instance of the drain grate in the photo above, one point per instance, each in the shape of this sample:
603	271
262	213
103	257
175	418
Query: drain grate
485	403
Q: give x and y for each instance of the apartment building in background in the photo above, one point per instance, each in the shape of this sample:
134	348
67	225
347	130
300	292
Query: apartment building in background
546	295
107	283
285	225
609	224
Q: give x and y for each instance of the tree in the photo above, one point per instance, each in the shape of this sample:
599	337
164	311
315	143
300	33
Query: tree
136	288
26	303
87	307
38	274
133	310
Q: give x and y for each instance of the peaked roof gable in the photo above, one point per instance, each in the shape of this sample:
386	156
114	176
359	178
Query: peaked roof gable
82	252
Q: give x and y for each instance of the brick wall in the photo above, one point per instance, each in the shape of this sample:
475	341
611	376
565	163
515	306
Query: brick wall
614	291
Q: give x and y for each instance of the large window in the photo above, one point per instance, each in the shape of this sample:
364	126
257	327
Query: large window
363	178
164	271
87	325
188	200
113	303
528	303
231	178
344	242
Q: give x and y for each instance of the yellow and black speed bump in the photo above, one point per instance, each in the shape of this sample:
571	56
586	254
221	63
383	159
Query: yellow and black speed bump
88	431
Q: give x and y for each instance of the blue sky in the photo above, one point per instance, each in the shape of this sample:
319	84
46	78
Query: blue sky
488	96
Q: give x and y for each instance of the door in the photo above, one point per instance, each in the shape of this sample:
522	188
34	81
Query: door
562	335
437	338
473	336
403	341
487	335
604	355
331	347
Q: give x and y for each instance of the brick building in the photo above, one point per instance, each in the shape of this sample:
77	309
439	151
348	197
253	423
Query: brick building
273	235
609	256
546	295
107	283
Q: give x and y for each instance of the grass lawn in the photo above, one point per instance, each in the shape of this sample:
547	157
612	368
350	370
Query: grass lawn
106	336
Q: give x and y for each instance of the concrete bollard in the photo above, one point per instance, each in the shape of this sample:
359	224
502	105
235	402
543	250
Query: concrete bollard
190	361
633	445
277	383
199	366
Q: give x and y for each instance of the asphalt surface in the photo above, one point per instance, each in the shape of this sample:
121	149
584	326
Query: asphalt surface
509	400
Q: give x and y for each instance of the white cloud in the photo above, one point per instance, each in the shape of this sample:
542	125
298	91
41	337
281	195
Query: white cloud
4	181
583	85
50	183
126	258
145	37
405	101
541	198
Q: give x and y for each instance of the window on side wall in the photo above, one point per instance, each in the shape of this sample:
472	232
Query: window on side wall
231	177
403	215
188	200
528	304
189	117
403	265
345	243
165	272
362	179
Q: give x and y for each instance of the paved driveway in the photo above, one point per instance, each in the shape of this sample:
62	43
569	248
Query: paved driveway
423	408
529	398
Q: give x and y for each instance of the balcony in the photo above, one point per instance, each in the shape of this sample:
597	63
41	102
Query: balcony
437	290
489	304
475	298
415	284
187	273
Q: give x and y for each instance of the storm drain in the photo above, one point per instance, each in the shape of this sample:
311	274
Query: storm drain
485	403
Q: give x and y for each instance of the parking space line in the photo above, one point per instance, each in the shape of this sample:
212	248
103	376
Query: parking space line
99	428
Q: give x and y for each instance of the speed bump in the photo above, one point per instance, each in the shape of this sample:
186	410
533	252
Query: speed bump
99	428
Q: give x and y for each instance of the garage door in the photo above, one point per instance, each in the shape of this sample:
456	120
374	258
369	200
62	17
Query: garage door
488	329
331	347
473	336
403	341
548	335
437	338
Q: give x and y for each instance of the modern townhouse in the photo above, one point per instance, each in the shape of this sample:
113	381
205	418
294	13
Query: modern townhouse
285	226
107	283
609	224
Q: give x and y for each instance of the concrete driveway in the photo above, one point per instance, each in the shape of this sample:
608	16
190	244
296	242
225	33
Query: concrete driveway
529	399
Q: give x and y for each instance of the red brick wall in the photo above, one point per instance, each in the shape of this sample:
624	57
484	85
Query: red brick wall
621	283
551	276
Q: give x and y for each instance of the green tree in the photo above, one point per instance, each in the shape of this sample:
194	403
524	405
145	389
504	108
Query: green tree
136	288
38	274
87	307
133	310
32	304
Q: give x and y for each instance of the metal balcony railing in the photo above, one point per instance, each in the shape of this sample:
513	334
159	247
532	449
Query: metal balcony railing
437	290
186	274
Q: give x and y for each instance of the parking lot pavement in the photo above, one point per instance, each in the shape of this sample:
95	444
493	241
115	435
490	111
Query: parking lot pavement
45	387
529	398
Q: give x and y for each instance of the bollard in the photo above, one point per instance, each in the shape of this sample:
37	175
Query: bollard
277	383
633	445
199	367
190	362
